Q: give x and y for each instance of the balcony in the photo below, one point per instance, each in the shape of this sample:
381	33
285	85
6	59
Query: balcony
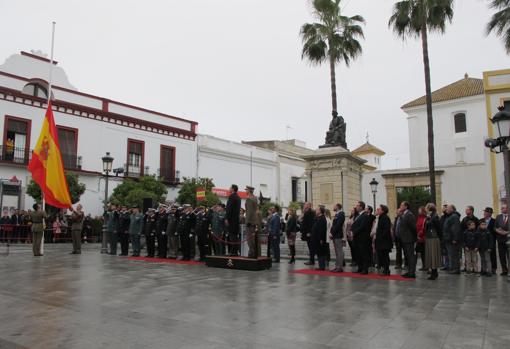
22	156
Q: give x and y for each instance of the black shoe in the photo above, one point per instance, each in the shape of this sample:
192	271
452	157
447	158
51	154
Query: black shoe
292	261
364	272
444	268
504	273
309	263
456	272
320	269
74	252
409	276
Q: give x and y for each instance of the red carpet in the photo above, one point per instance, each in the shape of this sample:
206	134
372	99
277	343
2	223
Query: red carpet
163	260
350	275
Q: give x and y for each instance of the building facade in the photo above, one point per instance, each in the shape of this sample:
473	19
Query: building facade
467	173
141	141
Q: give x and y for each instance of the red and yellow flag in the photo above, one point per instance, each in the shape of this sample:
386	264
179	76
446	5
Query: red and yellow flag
47	166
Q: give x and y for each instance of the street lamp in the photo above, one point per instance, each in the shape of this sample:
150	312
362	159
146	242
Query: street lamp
107	168
500	144
373	186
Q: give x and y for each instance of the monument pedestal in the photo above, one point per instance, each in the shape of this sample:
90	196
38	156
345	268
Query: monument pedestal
335	176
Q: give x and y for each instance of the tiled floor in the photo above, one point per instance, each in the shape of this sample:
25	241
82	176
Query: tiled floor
101	301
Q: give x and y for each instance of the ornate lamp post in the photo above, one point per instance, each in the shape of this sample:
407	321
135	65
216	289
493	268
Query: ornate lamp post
373	186
107	168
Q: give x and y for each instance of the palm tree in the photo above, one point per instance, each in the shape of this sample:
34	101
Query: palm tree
415	18
500	21
333	38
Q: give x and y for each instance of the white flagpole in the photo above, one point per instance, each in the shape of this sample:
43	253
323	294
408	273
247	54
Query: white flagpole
50	80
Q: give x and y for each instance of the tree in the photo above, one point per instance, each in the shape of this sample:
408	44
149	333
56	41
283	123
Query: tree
415	18
500	21
76	189
334	38
132	192
188	192
416	196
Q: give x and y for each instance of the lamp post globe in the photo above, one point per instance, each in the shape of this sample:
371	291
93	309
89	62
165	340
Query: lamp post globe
107	163
373	185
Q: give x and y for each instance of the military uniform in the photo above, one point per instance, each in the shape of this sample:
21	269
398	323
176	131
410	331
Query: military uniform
202	232
252	222
135	230
123	232
108	232
218	232
76	228
115	233
149	227
37	218
171	232
186	231
161	223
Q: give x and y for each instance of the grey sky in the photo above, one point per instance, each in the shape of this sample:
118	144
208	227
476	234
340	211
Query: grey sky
235	65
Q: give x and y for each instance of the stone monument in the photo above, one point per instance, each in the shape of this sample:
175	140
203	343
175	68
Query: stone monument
334	172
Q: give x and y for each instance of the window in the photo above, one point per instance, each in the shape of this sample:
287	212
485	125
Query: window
35	89
135	158
68	141
294	189
167	164
506	104
16	146
460	155
460	122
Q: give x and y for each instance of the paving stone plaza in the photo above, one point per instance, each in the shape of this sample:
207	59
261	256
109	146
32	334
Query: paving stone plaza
101	301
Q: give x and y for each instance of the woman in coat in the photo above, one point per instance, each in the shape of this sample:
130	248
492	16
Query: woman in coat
383	239
432	241
291	232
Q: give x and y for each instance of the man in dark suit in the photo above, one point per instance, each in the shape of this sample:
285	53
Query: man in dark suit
232	219
361	235
306	221
487	217
318	237
501	229
408	236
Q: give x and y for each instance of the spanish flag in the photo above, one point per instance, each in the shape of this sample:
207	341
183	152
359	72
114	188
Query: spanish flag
47	166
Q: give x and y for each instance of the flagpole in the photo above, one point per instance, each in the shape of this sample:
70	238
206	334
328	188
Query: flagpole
50	81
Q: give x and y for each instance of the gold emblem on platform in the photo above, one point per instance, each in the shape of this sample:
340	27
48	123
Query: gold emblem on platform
230	263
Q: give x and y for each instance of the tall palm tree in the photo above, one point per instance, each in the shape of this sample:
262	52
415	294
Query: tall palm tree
415	18
333	38
500	21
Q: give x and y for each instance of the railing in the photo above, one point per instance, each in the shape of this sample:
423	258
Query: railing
23	155
133	171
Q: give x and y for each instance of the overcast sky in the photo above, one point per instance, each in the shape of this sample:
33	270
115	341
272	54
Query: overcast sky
235	65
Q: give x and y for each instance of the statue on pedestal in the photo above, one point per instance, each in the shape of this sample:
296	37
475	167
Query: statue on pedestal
336	134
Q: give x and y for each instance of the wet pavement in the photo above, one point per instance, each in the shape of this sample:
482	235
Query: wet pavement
101	301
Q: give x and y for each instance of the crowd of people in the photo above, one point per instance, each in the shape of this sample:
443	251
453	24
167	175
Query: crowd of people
441	240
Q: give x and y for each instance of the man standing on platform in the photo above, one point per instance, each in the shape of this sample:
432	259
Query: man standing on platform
135	230
306	221
252	208
232	220
37	216
409	236
76	228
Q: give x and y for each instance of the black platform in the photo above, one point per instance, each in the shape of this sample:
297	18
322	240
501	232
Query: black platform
241	263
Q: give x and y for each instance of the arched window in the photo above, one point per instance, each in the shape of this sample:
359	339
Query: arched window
460	122
36	89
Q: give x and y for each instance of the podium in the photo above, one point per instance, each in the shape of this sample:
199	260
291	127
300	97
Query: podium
239	263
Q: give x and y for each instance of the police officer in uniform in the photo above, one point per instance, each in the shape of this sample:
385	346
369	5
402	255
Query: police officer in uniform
202	231
123	232
171	232
186	230
149	227
161	223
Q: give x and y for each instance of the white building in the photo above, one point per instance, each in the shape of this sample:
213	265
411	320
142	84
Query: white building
140	140
466	172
